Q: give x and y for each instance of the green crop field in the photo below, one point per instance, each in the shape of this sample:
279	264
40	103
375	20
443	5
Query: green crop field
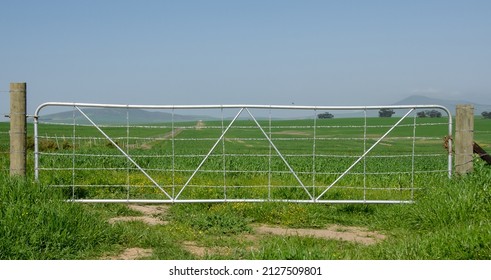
449	219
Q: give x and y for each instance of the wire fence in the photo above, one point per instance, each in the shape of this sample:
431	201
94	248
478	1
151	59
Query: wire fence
116	153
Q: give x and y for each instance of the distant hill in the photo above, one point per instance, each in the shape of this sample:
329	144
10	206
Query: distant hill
418	100
118	116
449	104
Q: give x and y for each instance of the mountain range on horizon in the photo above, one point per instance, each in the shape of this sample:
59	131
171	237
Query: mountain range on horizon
447	103
117	116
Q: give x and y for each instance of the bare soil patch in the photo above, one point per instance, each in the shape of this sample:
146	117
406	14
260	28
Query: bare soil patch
150	209
202	251
344	233
336	232
151	215
145	219
132	254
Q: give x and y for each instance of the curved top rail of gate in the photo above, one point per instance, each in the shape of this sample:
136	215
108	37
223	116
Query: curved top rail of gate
238	106
292	159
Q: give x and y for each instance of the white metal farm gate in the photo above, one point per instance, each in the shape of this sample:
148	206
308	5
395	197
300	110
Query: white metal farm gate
240	153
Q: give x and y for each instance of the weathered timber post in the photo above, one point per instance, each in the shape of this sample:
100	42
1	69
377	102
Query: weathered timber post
464	138
18	129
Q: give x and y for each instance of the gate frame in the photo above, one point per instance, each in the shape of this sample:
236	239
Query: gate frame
175	199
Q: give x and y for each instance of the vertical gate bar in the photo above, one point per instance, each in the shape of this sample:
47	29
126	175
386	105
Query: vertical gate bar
364	154
36	149
281	156
74	142
209	153
314	153
450	142
413	157
364	159
173	156
270	154
224	162
128	152
124	153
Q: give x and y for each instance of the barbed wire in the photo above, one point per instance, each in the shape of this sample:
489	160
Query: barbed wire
465	163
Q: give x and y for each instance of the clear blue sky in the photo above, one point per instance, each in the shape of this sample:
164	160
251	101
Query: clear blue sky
254	52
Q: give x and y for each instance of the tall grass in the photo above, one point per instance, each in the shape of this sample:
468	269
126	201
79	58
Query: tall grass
35	223
447	222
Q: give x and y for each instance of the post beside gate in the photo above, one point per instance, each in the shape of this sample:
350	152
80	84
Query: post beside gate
18	131
464	138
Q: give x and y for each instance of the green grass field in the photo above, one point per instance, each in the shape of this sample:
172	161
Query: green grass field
449	219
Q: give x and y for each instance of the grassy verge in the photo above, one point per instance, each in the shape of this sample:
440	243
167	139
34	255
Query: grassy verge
450	221
446	222
36	224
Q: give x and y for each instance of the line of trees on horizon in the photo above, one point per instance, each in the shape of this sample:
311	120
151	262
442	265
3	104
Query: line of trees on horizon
325	115
387	113
429	114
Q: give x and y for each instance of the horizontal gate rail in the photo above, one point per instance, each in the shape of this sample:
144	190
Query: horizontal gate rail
241	156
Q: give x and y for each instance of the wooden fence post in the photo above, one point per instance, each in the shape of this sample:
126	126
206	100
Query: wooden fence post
464	138
18	129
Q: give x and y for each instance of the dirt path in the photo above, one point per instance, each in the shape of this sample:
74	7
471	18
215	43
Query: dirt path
342	233
199	125
149	215
337	232
132	254
201	251
169	135
154	215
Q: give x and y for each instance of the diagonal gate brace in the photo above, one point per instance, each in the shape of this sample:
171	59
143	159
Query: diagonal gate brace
209	153
223	135
364	154
124	153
